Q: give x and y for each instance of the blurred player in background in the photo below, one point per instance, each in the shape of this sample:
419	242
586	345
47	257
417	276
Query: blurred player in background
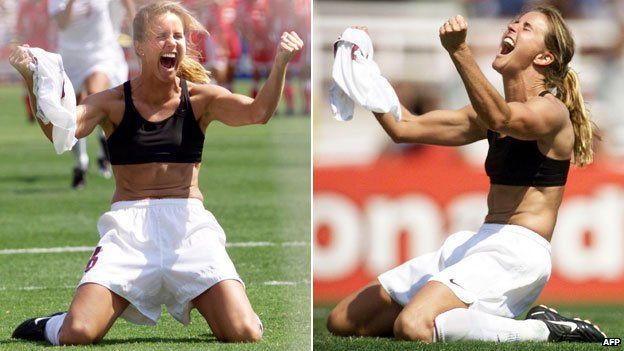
477	282
93	60
296	15
304	11
259	29
256	24
34	28
226	40
220	49
158	244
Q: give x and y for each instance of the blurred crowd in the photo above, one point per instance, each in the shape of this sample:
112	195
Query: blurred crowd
241	44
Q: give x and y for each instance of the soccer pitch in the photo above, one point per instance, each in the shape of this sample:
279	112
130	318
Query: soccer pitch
256	181
610	318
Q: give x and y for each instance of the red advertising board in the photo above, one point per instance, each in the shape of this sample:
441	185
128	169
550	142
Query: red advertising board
368	219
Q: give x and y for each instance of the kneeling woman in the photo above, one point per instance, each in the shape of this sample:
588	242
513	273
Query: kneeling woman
472	287
158	244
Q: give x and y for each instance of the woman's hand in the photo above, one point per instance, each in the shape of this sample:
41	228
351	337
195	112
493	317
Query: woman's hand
20	58
289	44
453	34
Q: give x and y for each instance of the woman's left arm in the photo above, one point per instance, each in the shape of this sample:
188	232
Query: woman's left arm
239	110
527	120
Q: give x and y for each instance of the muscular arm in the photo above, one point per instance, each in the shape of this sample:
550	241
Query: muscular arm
239	110
91	112
440	127
88	114
46	128
527	120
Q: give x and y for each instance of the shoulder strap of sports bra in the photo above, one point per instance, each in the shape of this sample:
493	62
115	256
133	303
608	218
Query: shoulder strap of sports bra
128	93
185	93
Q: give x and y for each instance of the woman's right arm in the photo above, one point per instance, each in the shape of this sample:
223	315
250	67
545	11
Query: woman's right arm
440	127
91	112
19	59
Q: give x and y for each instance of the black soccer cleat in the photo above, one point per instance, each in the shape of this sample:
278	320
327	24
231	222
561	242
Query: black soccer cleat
566	329
33	329
78	180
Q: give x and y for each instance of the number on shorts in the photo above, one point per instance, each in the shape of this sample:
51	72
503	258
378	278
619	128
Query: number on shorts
93	259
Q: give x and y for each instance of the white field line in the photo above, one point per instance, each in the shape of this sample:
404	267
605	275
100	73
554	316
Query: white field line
62	249
285	283
35	250
31	288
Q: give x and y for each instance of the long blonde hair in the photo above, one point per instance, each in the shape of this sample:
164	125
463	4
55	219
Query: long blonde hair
189	69
559	75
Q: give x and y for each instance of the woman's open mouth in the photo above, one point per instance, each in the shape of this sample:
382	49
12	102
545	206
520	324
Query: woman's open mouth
168	61
507	46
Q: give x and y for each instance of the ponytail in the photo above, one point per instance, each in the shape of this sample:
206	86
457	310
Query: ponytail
584	129
193	71
560	76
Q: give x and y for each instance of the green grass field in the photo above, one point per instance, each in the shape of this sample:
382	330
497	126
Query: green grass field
610	318
256	180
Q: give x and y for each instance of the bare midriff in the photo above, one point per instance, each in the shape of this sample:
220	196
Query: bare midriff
156	181
534	208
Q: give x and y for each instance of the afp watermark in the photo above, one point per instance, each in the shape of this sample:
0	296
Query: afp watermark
611	342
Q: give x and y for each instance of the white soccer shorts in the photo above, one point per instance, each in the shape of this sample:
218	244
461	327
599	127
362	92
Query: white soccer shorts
159	251
110	61
500	270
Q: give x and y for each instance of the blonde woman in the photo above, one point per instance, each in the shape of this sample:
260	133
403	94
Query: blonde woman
158	244
476	283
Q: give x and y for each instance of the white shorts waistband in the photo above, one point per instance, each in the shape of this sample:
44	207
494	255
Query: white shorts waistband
516	229
119	205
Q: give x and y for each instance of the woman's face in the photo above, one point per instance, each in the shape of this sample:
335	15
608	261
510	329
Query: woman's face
522	43
164	47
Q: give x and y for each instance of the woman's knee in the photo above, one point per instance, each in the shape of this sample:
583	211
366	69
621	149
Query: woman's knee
249	330
337	323
78	333
413	328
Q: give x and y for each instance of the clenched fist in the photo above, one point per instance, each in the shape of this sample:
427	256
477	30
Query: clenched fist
288	46
453	33
20	58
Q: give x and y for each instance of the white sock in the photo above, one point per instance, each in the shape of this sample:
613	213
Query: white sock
53	327
261	326
81	158
463	324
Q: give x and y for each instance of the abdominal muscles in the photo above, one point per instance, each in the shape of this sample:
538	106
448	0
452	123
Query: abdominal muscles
534	208
156	180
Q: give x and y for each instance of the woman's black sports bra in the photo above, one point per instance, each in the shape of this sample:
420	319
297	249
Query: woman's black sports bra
519	162
177	139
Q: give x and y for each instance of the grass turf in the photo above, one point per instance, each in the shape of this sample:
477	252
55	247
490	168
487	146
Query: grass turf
255	179
610	318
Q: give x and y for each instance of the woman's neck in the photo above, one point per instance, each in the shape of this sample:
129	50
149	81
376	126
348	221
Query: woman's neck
151	89
522	86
